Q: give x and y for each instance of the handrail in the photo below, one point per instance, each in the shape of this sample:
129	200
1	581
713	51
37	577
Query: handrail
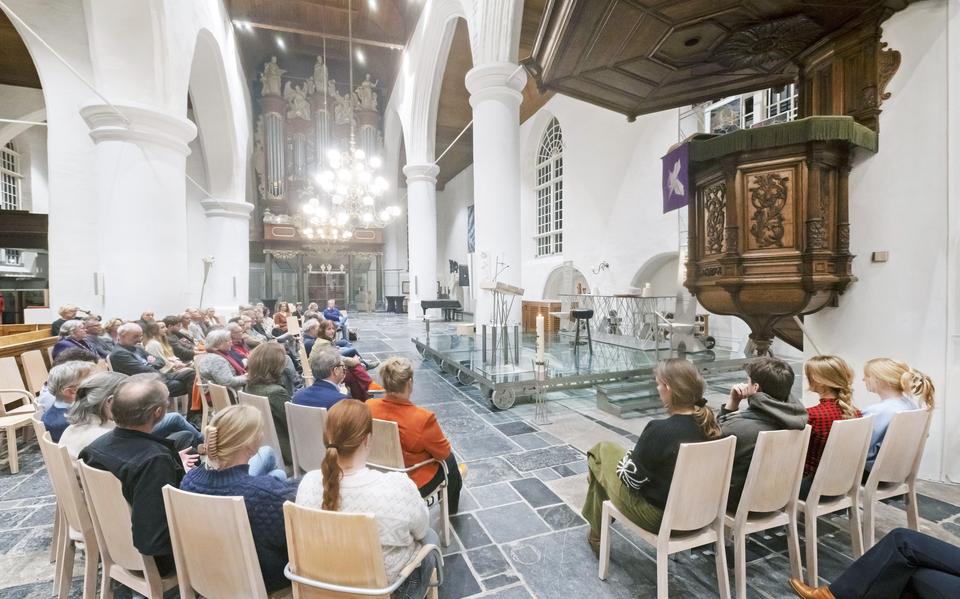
336	588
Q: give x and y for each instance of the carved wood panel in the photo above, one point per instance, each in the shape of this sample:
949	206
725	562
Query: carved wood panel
714	217
769	209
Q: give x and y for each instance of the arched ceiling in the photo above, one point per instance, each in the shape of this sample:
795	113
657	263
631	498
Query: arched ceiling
16	65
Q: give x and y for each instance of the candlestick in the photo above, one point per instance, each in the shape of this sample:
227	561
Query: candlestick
540	339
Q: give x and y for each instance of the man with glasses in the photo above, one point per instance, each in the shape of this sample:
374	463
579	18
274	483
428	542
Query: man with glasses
328	374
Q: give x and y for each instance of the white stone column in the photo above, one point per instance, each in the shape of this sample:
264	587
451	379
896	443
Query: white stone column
140	187
495	97
422	219
227	231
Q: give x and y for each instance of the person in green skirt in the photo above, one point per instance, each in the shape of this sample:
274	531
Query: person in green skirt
638	481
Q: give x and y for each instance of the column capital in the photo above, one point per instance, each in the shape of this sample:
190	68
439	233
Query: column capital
500	81
226	208
139	124
421	172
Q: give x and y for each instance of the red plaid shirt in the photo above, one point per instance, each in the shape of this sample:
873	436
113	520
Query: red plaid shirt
821	417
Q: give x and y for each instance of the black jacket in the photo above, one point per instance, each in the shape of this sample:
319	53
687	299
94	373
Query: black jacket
182	348
134	360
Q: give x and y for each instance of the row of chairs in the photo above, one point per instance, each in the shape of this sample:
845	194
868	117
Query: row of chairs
696	509
14	390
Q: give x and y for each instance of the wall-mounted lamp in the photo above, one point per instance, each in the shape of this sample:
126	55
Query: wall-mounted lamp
604	265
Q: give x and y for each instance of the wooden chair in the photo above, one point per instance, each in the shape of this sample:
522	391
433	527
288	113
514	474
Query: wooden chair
266	415
77	528
769	497
122	562
305	364
18	419
694	513
338	555
13	389
293	325
386	454
196	538
894	472
220	400
836	485
39	430
305	426
34	369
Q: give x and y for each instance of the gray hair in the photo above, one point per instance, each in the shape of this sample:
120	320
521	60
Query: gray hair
216	337
310	325
323	362
93	397
233	326
128	327
67	328
67	375
137	397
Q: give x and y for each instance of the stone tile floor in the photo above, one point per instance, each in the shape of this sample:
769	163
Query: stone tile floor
519	533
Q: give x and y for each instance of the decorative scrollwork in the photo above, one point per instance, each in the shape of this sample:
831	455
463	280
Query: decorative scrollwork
714	270
768	194
844	238
713	205
769	44
889	64
816	235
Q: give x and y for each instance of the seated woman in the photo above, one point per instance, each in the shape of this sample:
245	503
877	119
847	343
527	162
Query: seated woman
421	437
89	416
72	335
831	378
899	388
358	379
344	483
638	481
238	347
234	438
218	366
280	319
265	378
155	343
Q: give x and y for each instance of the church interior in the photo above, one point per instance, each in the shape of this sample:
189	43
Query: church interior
479	298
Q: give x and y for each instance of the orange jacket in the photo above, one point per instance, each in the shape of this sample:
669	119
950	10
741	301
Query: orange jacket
421	437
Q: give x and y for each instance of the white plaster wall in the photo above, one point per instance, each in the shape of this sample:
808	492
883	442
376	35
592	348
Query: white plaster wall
196	219
452	205
22	104
899	203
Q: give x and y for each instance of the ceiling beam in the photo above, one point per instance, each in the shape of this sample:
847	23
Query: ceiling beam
329	36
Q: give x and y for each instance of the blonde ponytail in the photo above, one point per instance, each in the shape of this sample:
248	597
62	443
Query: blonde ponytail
901	378
229	431
919	385
833	374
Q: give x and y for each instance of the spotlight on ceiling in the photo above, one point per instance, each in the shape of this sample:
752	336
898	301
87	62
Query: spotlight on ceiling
280	43
361	57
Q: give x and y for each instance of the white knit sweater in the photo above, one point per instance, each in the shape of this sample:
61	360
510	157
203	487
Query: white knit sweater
393	499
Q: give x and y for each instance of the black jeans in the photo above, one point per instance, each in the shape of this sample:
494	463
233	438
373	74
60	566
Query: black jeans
179	382
904	563
454	483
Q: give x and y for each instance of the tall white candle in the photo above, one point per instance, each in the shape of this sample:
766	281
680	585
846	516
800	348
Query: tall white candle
540	338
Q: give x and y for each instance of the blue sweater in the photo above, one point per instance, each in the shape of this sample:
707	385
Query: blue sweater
264	497
55	420
883	413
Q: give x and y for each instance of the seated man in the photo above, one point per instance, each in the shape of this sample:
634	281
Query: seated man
101	344
770	408
326	337
328	374
181	343
310	330
335	314
62	384
144	463
130	359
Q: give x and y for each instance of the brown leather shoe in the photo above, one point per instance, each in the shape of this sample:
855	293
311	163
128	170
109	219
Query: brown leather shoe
806	592
594	540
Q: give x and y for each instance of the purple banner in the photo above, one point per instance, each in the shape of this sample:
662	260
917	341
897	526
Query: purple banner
676	172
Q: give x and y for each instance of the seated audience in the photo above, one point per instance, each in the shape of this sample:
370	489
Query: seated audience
313	307
130	359
905	563
238	347
638	481
95	338
217	365
111	330
211	320
309	332
297	309
421	437
356	378
328	373
196	324
338	316
144	463
89	416
155	343
68	312
72	335
280	318
147	316
344	483
250	336
234	437
62	384
181	343
770	407
831	378
45	398
265	378
899	388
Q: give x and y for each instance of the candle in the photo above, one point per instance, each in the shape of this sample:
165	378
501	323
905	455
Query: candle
540	339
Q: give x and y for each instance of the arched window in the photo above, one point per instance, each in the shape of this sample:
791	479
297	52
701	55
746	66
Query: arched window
549	190
9	178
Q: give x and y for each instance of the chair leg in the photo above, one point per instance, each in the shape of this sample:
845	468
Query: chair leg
576	337
91	559
869	522
793	547
856	531
106	583
12	458
810	535
739	562
444	518
663	559
913	509
55	545
65	568
604	541
723	578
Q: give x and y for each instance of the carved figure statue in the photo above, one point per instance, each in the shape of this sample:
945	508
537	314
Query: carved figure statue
296	98
332	88
366	94
344	109
320	74
270	78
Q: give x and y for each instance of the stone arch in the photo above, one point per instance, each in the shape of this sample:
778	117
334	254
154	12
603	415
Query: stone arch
662	272
564	279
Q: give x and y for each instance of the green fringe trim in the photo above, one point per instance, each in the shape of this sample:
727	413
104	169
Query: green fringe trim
800	131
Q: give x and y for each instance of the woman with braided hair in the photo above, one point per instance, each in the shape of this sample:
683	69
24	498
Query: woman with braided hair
638	481
235	466
344	483
901	388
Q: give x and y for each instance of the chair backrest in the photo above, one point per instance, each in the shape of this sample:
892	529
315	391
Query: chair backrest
110	513
34	369
63	478
305	425
700	486
39	428
385	449
902	447
266	415
293	325
333	547
108	363
305	363
196	538
776	470
219	397
841	465
10	379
